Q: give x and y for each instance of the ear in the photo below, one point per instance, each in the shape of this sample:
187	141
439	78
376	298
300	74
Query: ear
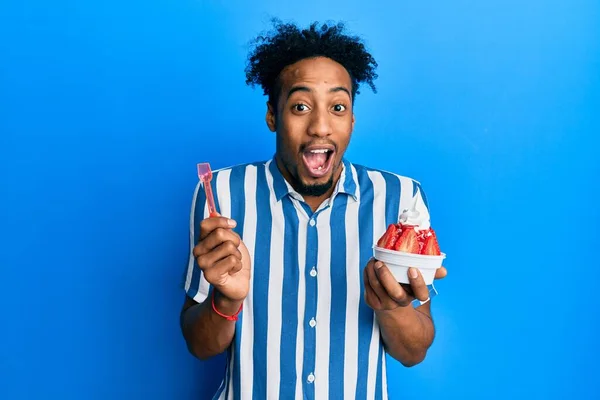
271	118
353	121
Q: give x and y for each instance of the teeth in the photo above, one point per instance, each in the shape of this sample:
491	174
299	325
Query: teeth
319	151
320	168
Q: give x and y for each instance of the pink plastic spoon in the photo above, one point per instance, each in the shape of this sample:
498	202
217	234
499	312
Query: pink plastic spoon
205	175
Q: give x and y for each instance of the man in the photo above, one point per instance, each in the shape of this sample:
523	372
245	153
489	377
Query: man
283	279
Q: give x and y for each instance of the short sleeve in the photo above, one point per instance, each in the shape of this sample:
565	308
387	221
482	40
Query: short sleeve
421	205
196	287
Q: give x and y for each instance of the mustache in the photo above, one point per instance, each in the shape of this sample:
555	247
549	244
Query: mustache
328	143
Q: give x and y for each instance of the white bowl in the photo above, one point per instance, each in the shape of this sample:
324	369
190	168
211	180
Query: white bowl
399	262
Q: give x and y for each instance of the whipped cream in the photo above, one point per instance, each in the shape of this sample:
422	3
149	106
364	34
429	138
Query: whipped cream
413	217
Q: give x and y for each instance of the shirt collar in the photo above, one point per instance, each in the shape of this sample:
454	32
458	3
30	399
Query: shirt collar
346	184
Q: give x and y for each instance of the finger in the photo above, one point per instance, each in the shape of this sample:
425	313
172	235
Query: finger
407	289
441	273
391	286
208	225
225	249
417	283
236	268
215	239
222	268
370	296
376	283
218	236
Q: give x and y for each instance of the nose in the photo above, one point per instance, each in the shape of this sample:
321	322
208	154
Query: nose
320	124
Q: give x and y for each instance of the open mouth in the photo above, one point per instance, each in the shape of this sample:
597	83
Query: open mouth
318	160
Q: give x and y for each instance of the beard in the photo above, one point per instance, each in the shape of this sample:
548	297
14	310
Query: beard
314	190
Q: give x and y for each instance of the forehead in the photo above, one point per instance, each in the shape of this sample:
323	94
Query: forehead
314	72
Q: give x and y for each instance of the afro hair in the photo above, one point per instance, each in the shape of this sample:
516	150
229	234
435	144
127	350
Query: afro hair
287	44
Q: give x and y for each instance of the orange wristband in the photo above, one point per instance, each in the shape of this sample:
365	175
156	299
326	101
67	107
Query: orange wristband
233	317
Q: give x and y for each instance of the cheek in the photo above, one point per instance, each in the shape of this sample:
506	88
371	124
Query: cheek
344	125
286	146
291	136
344	134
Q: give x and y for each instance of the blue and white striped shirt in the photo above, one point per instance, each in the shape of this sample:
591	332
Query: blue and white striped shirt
305	331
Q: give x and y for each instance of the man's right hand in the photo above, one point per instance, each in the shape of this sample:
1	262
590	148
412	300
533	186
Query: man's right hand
223	258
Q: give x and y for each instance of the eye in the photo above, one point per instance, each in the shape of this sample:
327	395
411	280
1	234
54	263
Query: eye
339	108
300	107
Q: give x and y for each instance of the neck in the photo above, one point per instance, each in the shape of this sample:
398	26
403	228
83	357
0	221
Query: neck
315	201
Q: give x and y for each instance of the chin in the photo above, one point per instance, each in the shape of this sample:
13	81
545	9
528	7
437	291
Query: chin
315	187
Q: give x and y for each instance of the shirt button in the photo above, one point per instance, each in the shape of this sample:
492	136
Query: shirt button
312	222
311	378
313	272
312	323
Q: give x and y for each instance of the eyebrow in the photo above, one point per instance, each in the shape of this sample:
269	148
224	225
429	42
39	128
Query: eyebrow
308	90
340	89
298	89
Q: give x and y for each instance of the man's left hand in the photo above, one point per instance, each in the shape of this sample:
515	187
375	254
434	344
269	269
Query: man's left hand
383	292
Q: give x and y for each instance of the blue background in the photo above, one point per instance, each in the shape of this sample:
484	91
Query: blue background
106	107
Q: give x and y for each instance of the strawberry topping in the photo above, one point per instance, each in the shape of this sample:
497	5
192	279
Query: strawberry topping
407	239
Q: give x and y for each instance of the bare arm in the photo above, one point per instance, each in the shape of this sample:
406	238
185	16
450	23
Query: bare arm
225	264
207	333
407	332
